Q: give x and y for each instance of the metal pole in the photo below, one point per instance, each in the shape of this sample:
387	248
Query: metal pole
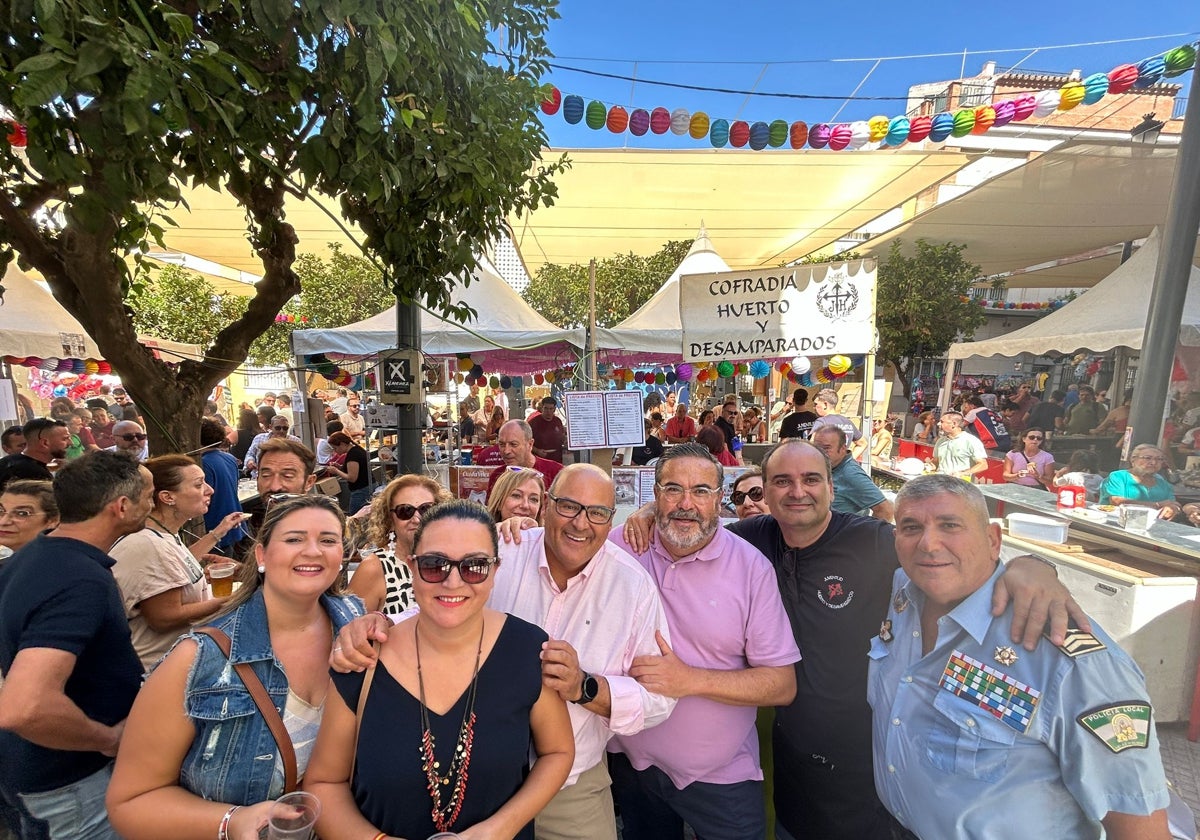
410	453
1170	284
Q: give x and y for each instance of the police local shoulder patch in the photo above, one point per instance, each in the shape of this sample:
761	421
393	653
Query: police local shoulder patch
1121	726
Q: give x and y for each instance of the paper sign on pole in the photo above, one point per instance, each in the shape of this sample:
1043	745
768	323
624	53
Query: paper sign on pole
778	312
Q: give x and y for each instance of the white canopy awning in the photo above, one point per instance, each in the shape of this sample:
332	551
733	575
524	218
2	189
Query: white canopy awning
1110	314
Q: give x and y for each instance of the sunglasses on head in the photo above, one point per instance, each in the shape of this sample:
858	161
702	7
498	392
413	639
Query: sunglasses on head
132	437
435	568
755	494
405	512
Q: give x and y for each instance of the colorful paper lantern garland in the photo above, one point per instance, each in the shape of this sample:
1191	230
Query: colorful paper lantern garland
880	130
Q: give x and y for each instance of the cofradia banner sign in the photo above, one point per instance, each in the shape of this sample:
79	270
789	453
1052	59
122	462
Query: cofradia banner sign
778	312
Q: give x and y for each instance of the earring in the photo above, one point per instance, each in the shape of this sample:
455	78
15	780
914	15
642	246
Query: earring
261	569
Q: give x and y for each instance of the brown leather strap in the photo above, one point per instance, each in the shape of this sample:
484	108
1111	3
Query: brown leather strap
362	704
266	708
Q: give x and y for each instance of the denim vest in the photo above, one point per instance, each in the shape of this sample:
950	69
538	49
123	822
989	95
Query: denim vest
232	758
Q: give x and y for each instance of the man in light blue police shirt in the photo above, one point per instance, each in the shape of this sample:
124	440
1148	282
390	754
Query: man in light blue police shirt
974	737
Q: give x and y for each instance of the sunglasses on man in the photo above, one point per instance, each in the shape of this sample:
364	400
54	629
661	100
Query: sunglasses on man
130	438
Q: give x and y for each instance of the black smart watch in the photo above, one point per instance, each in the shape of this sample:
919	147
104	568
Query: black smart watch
589	689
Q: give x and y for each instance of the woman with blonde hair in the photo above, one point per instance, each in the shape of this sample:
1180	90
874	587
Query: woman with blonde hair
383	579
200	756
519	491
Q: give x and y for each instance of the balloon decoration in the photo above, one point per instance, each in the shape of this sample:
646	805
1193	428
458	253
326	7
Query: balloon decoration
839	364
760	369
725	369
879	131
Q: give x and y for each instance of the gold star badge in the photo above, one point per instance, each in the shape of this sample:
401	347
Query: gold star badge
1005	655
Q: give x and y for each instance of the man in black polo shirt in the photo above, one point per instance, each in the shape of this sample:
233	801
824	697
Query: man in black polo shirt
71	673
799	423
45	440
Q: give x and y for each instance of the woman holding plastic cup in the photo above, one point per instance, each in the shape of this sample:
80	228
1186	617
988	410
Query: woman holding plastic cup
198	758
1028	463
162	583
472	678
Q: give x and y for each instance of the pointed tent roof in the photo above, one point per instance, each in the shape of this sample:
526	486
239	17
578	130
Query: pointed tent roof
1110	314
654	333
506	335
34	323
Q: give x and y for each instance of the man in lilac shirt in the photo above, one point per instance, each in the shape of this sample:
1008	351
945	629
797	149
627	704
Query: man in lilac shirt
733	650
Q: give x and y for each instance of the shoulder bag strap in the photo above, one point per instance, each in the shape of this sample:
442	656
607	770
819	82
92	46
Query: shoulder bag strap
266	708
368	678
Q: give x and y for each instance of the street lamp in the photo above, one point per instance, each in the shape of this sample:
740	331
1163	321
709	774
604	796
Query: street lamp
1146	132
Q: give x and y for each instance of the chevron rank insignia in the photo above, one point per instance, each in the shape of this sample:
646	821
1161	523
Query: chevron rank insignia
1121	726
1077	643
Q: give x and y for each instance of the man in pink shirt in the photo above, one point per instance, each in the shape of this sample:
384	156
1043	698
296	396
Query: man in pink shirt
681	428
733	650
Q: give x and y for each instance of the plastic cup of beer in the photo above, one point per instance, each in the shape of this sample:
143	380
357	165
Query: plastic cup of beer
293	816
221	575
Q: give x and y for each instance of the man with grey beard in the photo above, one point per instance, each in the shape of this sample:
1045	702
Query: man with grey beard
732	651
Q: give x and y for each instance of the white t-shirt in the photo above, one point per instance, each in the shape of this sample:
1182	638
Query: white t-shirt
149	564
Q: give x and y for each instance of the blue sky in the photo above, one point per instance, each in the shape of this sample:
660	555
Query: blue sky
800	48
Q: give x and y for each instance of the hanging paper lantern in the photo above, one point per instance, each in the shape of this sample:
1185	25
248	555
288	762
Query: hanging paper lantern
1045	103
660	121
17	136
801	364
538	379
798	134
839	136
739	134
806	380
660	378
105	367
819	134
91	367
777	133
639	377
1122	78
476	371
78	366
518	381
943	125
1179	60
860	133
702	375
760	369
573	108
839	364
698	126
1070	95
482	382
878	128
1150	72
617	120
494	381
49	364
897	131
671	377
919	128
630	375
550	375
506	382
985	118
684	372
718	133
1095	87
552	102
1005	110
760	133
458	379
465	364
724	369
782	367
639	122
681	120
964	121
1023	107
595	114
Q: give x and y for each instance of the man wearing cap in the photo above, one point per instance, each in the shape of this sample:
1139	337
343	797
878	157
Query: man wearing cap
130	438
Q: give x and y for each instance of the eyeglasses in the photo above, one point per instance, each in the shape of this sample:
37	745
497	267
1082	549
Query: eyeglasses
676	492
131	438
755	494
405	513
354	405
569	509
1148	458
20	514
435	568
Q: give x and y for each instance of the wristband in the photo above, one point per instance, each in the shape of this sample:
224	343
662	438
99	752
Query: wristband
223	829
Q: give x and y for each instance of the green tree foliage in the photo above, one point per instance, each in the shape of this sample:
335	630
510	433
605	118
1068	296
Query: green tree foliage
405	112
924	304
180	305
623	283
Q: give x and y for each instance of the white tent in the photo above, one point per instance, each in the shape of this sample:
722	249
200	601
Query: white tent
507	335
654	334
1110	314
33	323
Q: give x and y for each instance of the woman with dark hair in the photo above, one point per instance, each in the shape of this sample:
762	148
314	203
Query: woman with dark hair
707	417
472	677
1028	463
494	424
161	581
248	428
191	762
714	439
355	469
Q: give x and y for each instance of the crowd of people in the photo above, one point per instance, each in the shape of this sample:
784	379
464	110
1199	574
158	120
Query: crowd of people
526	669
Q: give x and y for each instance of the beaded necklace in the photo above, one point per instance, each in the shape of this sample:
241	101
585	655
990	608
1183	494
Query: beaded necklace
445	816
